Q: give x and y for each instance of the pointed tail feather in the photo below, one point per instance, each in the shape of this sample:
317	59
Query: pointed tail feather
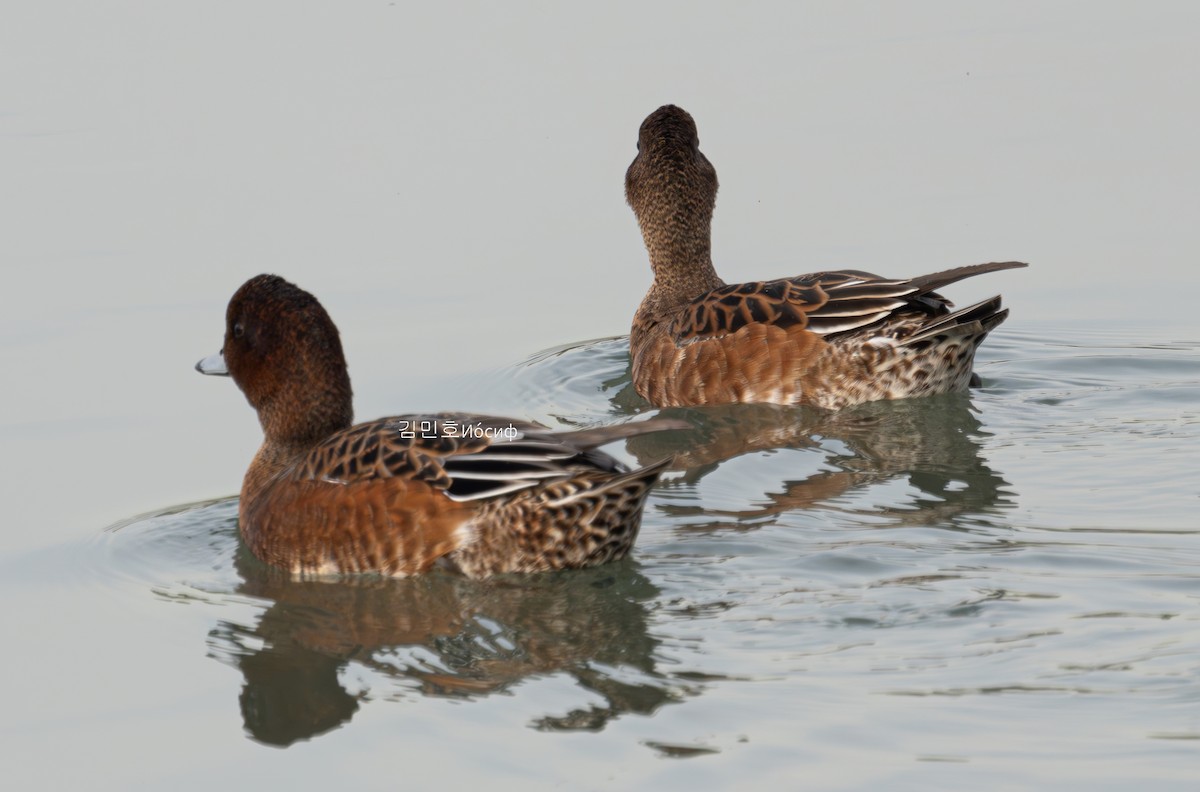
936	280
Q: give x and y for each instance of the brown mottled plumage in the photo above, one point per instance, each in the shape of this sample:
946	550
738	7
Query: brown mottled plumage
829	339
478	494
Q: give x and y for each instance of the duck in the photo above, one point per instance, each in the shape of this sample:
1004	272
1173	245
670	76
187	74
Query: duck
829	340
477	495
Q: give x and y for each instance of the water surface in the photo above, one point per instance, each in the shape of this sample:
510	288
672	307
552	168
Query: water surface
1004	583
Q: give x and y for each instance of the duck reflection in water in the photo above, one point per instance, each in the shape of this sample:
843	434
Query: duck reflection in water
933	443
440	635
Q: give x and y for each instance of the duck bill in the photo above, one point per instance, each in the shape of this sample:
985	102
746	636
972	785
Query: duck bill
213	364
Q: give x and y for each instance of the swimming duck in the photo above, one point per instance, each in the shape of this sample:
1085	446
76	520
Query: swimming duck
828	339
474	493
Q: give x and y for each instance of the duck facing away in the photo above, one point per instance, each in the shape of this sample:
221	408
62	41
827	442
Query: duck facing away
477	494
828	339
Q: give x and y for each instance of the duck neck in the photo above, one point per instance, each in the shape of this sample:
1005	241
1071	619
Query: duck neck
682	262
281	450
297	420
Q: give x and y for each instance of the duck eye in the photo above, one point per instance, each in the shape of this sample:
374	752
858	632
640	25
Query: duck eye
238	330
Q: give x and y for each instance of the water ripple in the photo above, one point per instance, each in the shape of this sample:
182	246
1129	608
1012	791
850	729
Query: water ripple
1032	541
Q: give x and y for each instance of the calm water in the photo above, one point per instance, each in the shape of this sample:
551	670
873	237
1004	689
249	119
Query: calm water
994	591
1001	586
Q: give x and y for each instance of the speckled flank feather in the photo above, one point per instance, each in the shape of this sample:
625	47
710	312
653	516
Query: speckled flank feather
399	495
581	521
828	339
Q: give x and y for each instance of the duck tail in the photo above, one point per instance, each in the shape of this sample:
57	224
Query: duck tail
936	280
978	320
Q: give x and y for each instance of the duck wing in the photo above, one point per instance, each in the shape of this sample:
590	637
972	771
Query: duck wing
467	457
823	303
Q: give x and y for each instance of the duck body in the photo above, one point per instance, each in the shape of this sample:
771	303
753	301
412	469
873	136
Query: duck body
400	495
827	339
476	494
